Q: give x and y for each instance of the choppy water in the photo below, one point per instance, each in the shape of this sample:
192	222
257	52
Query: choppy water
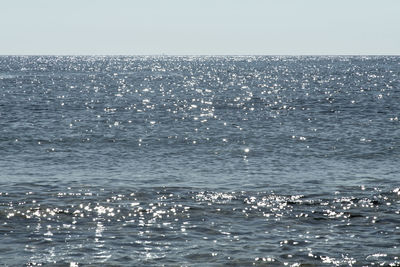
200	161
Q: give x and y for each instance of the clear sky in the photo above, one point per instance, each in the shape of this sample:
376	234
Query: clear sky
201	27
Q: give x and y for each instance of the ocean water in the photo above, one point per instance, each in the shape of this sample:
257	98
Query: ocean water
199	161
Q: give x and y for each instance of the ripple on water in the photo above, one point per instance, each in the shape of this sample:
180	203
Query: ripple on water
87	225
264	160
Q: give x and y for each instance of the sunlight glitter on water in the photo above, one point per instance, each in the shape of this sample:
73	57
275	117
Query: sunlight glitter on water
166	220
186	160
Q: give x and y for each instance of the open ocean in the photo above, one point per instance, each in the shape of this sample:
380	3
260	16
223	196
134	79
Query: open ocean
199	161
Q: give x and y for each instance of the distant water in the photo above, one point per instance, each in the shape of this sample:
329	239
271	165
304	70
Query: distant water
199	161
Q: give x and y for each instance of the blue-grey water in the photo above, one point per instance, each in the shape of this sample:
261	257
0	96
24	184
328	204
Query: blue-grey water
199	161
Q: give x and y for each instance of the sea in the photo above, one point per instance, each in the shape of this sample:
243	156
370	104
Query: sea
199	161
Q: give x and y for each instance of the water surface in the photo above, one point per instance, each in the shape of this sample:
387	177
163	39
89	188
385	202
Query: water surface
199	161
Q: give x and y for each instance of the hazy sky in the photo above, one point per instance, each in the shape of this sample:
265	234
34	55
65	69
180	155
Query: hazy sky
182	27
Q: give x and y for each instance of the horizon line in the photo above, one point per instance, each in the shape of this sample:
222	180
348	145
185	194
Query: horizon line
203	55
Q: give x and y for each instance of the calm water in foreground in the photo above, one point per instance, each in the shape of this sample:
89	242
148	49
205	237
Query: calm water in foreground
199	161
